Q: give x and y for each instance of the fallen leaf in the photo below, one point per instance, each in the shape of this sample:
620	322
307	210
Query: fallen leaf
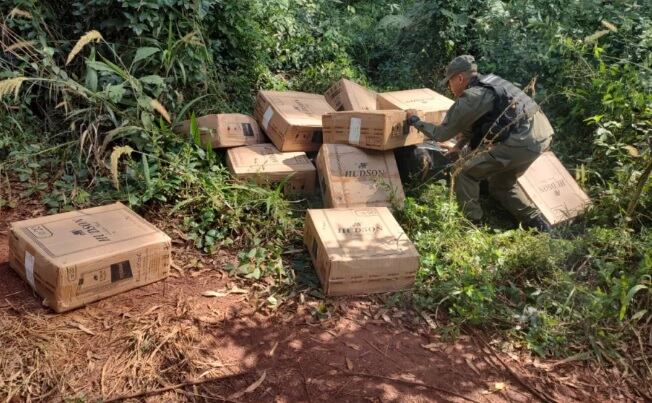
213	366
349	364
353	346
273	350
236	290
82	328
208	319
250	388
496	387
431	323
386	318
434	347
199	272
632	151
216	294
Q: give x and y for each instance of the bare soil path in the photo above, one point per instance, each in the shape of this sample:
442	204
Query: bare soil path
237	348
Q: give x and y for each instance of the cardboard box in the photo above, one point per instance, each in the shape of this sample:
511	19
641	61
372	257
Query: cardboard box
292	120
346	95
359	251
353	177
377	130
75	258
432	103
553	190
225	130
265	164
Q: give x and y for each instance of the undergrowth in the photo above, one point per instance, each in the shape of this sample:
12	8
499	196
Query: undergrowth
558	294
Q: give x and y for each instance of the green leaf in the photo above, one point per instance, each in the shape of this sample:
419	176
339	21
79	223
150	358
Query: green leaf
115	92
624	304
255	274
194	130
272	300
90	81
182	112
638	315
144	53
153	79
145	102
146	172
100	66
252	253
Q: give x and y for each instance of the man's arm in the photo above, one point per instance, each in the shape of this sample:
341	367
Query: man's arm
468	108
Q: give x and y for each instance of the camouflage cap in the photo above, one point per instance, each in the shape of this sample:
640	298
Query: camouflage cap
460	64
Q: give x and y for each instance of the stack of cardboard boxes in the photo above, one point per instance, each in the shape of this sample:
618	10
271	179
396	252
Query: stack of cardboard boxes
355	243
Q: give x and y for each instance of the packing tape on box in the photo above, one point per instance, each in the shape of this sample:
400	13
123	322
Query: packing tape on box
29	268
354	131
267	116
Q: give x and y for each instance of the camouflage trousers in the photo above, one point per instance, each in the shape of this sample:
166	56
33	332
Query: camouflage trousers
500	166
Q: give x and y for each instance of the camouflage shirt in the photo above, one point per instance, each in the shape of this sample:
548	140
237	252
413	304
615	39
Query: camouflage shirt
471	106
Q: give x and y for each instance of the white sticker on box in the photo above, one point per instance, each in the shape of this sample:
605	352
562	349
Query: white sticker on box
267	116
29	268
354	131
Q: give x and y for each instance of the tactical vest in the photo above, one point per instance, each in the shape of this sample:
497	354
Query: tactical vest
512	108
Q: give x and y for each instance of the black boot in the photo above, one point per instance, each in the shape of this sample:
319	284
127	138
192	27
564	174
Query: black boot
538	223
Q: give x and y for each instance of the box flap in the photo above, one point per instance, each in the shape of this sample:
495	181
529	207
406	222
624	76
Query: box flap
261	158
353	233
347	95
80	236
423	99
297	108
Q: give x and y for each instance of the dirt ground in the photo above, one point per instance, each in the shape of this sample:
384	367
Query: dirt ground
236	348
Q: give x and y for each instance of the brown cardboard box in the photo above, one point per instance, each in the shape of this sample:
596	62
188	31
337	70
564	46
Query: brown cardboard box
359	251
553	190
345	95
292	120
353	177
225	130
263	163
75	258
432	103
377	130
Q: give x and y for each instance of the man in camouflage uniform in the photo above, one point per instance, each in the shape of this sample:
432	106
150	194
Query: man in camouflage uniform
507	126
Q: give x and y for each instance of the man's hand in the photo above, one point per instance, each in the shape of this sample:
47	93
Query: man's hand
412	116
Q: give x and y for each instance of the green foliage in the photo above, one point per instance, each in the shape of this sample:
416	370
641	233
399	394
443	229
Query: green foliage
556	294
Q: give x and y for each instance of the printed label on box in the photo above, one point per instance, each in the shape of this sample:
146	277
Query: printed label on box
29	268
354	131
247	130
267	116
